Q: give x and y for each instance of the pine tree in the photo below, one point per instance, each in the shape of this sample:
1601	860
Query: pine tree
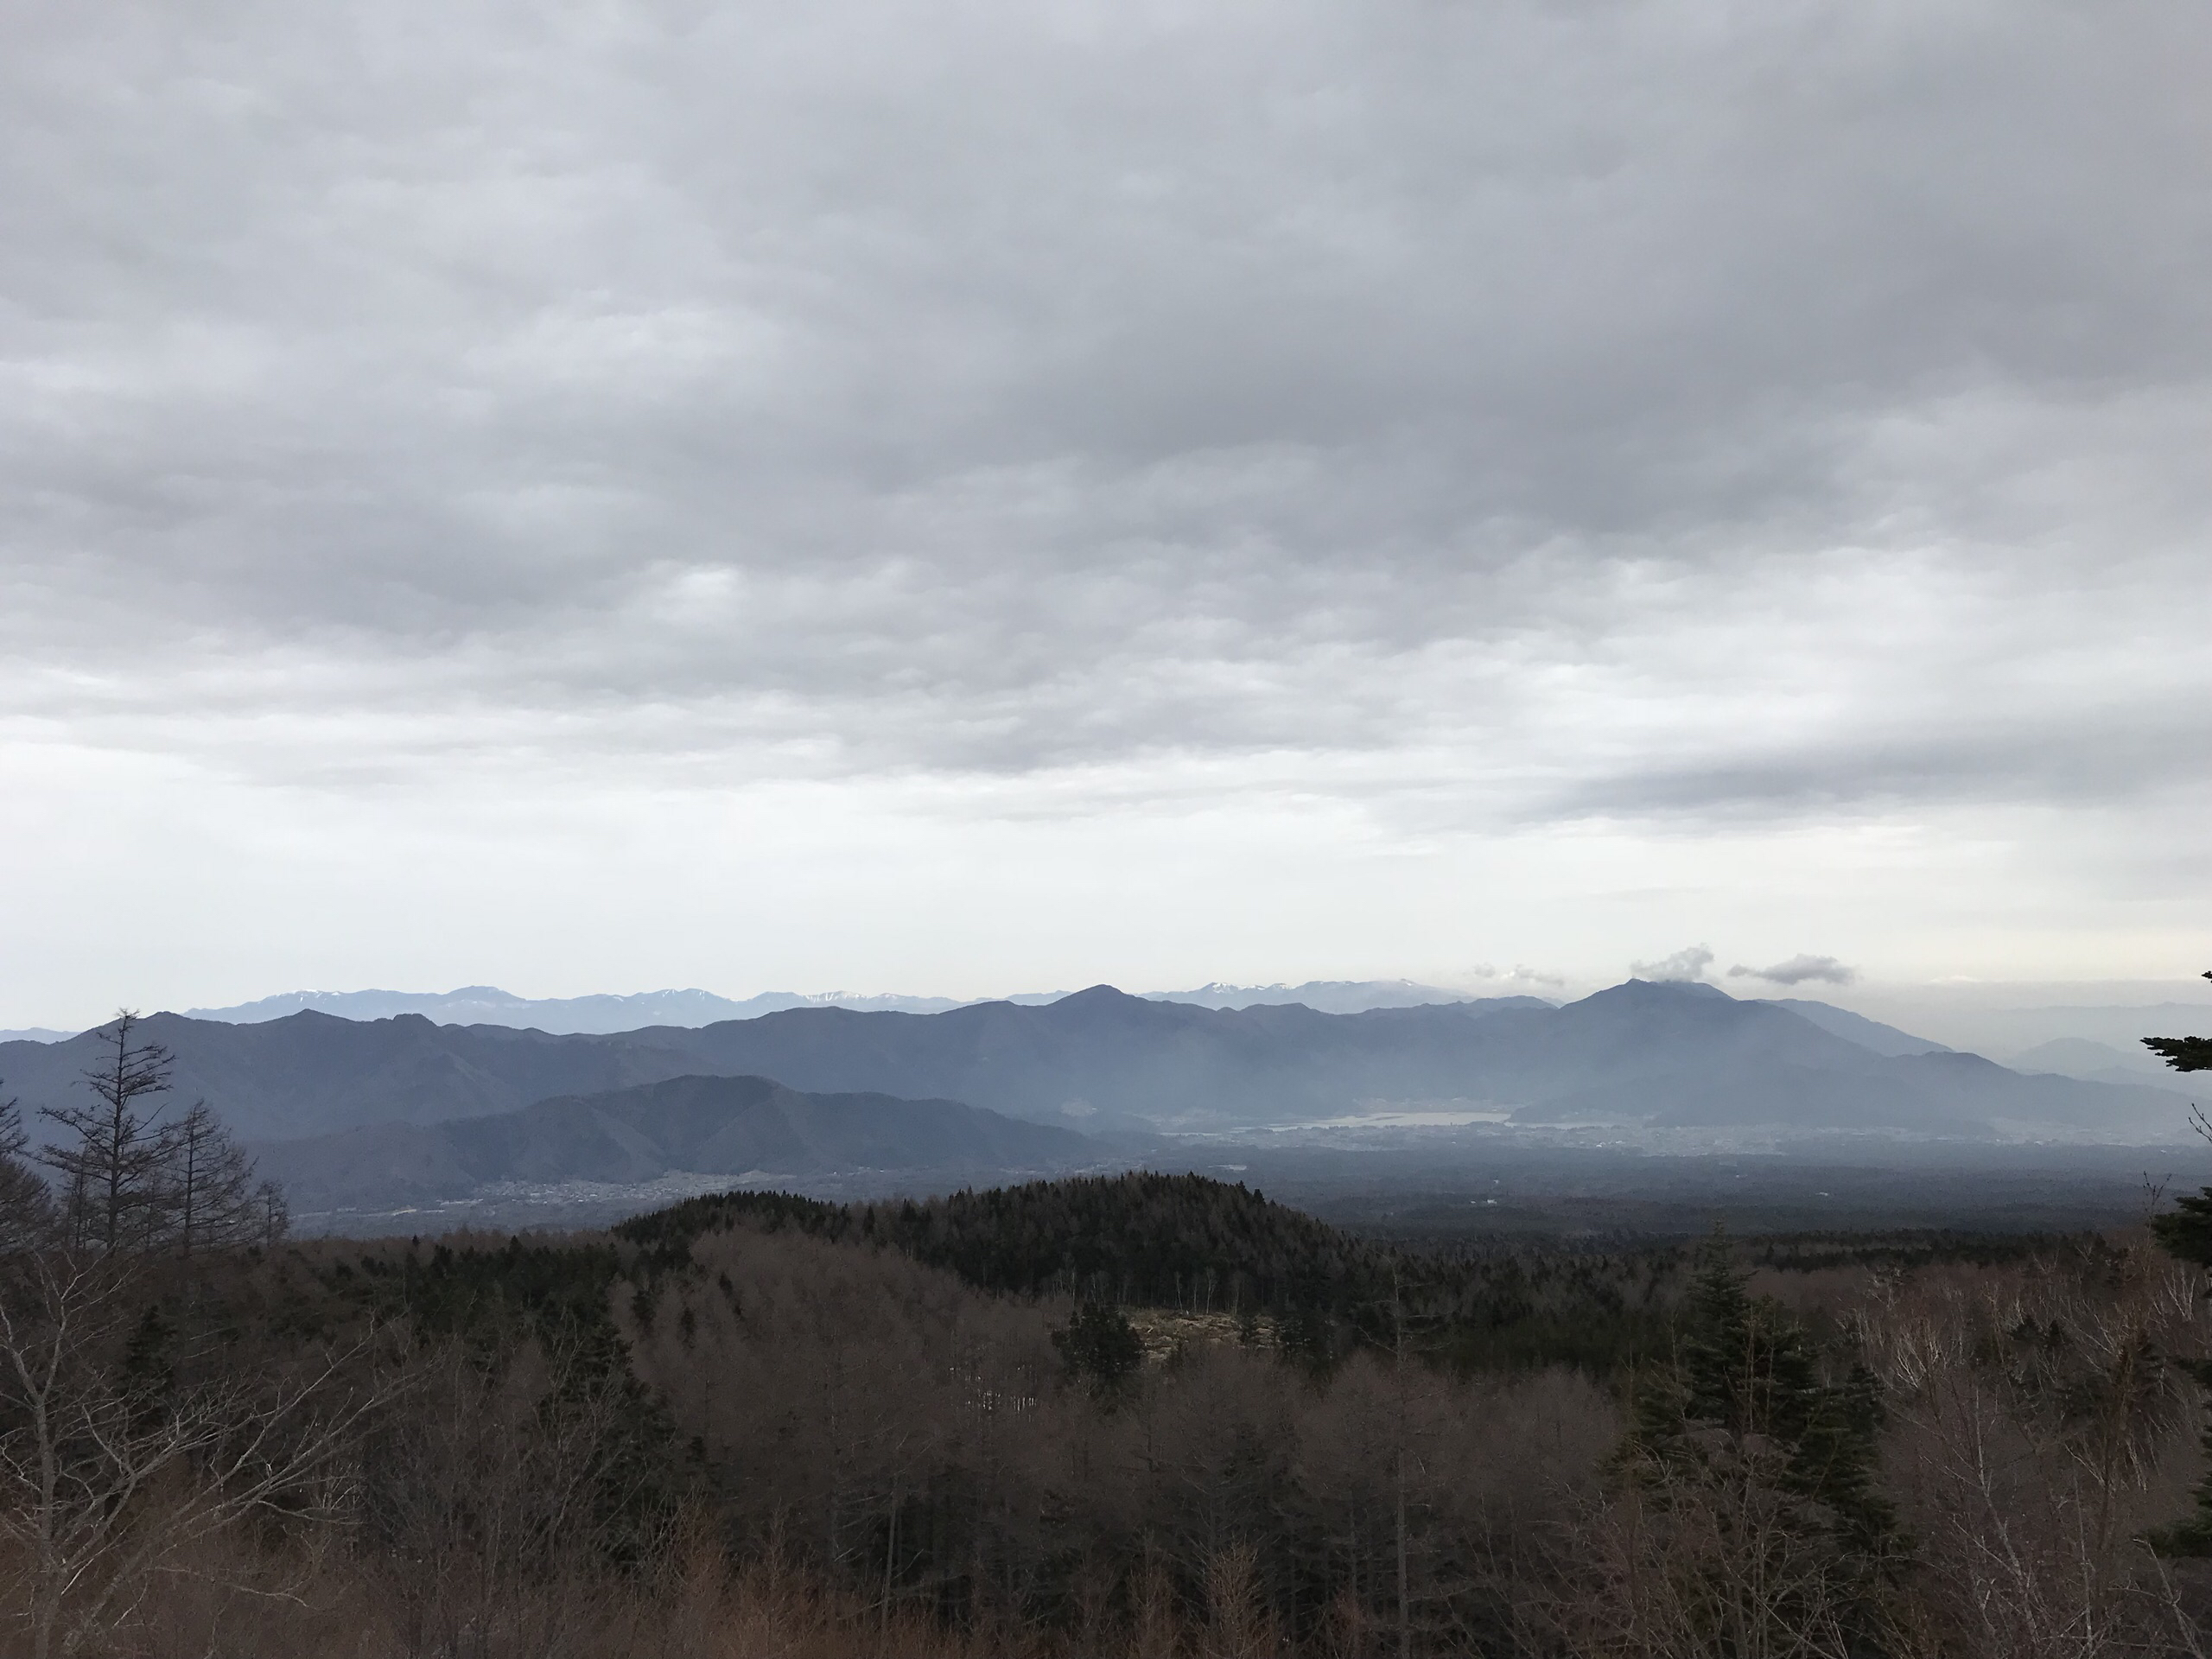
1745	1389
2186	1234
1719	1351
2182	1053
1100	1347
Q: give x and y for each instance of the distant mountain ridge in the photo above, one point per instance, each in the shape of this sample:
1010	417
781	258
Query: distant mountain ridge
610	1014
1668	1055
2094	1062
604	1014
1672	1054
2014	1035
710	1126
1101	1057
1335	996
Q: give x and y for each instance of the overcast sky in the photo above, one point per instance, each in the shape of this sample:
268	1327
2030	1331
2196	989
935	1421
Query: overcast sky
984	496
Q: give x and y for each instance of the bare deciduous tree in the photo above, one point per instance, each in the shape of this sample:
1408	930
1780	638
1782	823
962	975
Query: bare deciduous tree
502	1502
130	1181
26	1207
112	1165
207	1191
106	1474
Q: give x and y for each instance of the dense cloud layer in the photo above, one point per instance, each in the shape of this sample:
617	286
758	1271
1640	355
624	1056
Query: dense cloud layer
1476	420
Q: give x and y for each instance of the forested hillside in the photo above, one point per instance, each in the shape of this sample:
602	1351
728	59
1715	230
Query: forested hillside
1189	1243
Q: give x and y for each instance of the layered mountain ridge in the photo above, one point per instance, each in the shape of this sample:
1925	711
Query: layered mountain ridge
1666	1055
608	1014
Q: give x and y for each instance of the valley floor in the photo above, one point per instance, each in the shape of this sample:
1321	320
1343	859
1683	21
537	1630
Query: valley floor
1461	1186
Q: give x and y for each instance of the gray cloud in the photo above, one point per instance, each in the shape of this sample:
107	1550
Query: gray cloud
1798	970
1488	418
1685	965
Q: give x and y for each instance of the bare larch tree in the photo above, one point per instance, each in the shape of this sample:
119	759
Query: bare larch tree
111	1162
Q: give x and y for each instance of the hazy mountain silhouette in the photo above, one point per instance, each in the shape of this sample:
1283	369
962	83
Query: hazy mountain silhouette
1677	1054
1857	1027
1680	1054
1103	1055
603	1016
1689	1056
730	1126
2077	1056
1333	995
611	1014
313	1073
2012	1033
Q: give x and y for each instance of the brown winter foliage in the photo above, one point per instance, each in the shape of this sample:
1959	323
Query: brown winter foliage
762	1441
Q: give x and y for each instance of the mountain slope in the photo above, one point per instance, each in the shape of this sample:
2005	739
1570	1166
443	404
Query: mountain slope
312	1072
1683	1055
1857	1027
1687	1055
1102	1054
710	1126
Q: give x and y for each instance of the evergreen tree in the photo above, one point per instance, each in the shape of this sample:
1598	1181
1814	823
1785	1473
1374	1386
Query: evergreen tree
2182	1053
1100	1347
1745	1396
2186	1234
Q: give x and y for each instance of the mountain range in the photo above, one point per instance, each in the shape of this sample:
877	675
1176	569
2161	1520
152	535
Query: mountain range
1665	1054
2094	1062
488	1004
